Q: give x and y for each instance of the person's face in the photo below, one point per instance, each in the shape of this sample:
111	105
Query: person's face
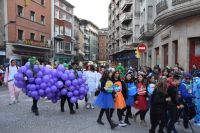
128	77
194	66
175	69
13	63
102	70
152	79
165	73
187	79
89	68
176	82
110	74
140	78
117	75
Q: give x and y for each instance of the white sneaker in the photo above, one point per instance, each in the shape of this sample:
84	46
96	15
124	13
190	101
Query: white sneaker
197	124
11	103
88	106
122	124
92	107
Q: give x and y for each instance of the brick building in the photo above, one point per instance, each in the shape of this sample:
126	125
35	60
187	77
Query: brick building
28	29
63	31
103	40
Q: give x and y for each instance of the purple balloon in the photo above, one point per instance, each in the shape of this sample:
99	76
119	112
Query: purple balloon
80	74
49	95
71	70
68	83
54	72
80	81
69	94
73	99
31	80
48	90
81	97
59	74
82	90
41	92
24	90
24	69
16	83
37	98
75	82
46	78
39	74
29	93
29	73
61	68
64	92
36	68
46	71
53	88
71	76
59	84
38	81
64	77
71	88
34	93
43	85
75	92
37	87
67	72
28	65
20	76
32	87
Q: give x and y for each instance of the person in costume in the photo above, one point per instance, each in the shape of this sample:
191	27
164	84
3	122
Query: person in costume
121	70
141	101
105	99
196	91
159	106
187	96
120	96
14	92
92	79
132	91
150	87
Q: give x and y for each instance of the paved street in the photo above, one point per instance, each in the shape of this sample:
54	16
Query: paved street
19	119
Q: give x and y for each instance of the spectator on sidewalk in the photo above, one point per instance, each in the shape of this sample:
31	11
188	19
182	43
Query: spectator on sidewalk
11	70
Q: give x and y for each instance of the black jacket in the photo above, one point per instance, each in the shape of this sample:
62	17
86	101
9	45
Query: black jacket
158	101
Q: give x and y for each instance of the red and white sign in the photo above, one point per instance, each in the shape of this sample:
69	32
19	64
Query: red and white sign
142	48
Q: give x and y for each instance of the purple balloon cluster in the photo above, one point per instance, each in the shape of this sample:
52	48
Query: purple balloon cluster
41	81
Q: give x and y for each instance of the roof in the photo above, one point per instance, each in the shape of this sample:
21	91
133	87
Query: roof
85	22
67	3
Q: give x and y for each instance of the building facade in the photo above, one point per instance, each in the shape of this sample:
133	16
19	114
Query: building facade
124	24
2	37
90	40
28	29
176	38
63	31
79	41
103	40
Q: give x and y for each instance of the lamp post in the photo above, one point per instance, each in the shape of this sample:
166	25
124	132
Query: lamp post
5	39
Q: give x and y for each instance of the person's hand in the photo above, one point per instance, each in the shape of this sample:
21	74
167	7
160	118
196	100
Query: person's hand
181	106
168	99
136	102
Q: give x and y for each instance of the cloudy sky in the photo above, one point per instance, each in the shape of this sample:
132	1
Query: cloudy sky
93	10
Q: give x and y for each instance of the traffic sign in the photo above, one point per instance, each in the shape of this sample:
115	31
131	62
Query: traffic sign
142	48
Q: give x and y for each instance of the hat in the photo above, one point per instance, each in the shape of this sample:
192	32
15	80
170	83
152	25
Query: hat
187	75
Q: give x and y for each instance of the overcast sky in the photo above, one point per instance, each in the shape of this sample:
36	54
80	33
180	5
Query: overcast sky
93	10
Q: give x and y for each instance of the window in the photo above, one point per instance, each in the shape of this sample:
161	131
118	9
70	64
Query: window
68	47
42	19
150	13
20	11
61	30
32	16
56	30
62	16
32	36
20	34
68	31
42	2
57	13
42	38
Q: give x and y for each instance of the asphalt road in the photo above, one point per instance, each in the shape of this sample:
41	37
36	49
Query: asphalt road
18	118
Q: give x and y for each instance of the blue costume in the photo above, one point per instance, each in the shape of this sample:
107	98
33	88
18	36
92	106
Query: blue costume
132	91
196	90
150	89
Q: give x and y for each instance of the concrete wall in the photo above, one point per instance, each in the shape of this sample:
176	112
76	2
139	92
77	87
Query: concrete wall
181	31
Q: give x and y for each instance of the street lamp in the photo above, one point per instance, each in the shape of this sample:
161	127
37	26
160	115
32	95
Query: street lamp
5	40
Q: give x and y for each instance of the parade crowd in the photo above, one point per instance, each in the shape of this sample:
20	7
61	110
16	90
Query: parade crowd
170	95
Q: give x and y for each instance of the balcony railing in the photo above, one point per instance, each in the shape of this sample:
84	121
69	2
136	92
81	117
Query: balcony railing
125	2
161	6
176	2
142	29
126	46
126	33
126	16
150	26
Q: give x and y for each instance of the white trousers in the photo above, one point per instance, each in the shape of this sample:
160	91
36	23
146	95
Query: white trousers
13	91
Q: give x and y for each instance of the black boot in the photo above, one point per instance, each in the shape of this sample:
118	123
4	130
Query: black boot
151	131
127	122
36	112
113	125
72	112
100	122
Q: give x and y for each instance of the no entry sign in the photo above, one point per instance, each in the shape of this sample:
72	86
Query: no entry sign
142	48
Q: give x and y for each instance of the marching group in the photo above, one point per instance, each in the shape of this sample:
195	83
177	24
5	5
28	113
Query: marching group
169	94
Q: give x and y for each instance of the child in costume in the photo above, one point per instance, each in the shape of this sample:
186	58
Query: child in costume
140	101
196	90
105	99
120	96
150	87
132	91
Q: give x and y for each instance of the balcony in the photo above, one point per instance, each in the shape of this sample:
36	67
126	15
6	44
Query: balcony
126	18
126	46
147	32
126	4
178	9
126	34
86	36
117	24
161	6
117	12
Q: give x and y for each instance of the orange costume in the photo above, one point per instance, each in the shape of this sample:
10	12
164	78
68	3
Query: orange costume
119	98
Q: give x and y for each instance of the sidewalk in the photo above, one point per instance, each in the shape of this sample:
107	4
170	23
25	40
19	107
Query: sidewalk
3	88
